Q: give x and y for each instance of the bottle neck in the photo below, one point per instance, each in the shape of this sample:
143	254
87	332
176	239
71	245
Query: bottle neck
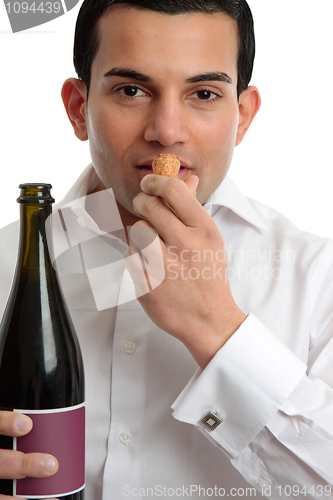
35	240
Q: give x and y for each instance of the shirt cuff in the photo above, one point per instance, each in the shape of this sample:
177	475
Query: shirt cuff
244	385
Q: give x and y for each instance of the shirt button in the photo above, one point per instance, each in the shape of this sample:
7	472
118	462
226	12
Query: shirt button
129	347
264	484
125	437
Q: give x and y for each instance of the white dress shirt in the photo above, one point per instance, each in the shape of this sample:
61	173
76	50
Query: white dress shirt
267	395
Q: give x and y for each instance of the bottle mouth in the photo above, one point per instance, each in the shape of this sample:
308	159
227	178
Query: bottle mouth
38	194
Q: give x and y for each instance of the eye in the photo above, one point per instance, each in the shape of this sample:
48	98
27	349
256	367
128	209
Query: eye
130	91
205	95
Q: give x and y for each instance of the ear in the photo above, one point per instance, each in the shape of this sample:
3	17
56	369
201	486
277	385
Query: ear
74	97
249	105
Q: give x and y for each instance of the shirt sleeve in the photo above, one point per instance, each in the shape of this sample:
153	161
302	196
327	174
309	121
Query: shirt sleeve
256	401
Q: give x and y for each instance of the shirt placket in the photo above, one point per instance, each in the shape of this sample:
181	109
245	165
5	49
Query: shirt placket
128	394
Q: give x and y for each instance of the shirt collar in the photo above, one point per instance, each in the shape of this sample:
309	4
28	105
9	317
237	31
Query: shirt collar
226	195
85	184
229	196
76	200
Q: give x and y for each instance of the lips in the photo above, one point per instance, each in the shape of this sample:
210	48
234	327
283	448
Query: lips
145	168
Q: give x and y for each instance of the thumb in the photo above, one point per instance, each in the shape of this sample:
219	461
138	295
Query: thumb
192	183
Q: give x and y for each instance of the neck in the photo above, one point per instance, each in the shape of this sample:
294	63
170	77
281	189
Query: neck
127	218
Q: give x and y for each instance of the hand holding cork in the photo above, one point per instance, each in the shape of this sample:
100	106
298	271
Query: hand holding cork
170	206
166	164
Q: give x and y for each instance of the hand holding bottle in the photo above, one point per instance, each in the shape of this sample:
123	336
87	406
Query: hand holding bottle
16	465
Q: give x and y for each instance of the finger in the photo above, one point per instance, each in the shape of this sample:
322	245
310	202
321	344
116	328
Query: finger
142	234
192	183
14	424
160	216
17	465
178	195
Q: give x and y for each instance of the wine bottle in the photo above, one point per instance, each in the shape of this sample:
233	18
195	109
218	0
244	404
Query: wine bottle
41	368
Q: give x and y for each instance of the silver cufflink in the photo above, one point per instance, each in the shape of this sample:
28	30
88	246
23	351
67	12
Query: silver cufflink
211	421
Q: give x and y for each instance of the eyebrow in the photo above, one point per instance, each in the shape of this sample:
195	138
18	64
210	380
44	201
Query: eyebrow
205	77
128	73
209	77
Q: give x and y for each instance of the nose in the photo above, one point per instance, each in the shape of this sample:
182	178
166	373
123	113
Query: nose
167	123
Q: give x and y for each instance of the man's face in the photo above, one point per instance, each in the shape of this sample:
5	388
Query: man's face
162	84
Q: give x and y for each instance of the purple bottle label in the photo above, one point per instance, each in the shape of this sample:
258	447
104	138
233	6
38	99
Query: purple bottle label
61	433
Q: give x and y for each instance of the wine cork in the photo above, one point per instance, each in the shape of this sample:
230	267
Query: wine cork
166	164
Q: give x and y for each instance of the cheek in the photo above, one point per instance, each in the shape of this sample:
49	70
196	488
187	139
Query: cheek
224	129
106	146
219	147
111	134
100	132
220	143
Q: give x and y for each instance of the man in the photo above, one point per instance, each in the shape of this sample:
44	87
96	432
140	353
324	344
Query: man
175	78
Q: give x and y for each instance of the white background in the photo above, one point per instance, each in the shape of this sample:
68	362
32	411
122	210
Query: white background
285	160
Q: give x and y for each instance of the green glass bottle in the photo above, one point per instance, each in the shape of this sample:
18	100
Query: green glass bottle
41	367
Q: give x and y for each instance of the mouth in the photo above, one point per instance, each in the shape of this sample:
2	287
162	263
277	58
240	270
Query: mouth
184	171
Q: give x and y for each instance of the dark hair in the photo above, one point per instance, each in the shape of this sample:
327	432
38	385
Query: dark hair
86	41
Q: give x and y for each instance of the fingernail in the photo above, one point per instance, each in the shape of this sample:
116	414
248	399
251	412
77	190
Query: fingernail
50	464
144	181
134	205
22	423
